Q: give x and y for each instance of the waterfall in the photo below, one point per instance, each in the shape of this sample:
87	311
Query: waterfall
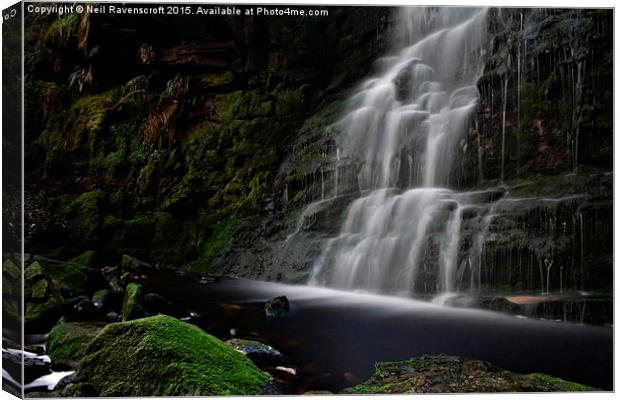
417	106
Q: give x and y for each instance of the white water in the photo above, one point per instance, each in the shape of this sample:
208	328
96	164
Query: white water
414	112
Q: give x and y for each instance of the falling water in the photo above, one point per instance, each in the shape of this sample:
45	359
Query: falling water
416	107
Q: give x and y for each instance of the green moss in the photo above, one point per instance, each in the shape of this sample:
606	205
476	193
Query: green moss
71	275
85	258
11	282
243	105
560	385
67	342
220	239
288	101
85	215
62	29
212	81
33	272
100	296
41	316
75	139
133	302
447	374
161	356
10	270
39	289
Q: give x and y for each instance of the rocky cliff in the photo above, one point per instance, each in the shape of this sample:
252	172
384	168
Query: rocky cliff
162	137
207	146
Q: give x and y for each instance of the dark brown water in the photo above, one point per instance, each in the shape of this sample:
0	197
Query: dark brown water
334	337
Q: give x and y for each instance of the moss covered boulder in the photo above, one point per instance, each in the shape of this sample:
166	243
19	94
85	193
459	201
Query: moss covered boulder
133	303
67	342
11	293
73	277
162	356
41	298
446	374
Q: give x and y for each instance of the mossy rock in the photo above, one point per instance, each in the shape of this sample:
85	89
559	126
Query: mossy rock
101	299
133	303
10	270
86	259
71	275
161	356
446	374
155	303
39	317
67	342
85	215
42	301
11	293
39	290
33	273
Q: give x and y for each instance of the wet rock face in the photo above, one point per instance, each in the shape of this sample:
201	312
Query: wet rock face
546	86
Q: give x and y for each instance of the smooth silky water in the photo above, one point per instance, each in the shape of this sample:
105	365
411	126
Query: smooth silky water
414	111
334	337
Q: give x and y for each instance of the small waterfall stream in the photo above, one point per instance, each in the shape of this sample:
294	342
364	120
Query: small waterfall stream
387	217
414	111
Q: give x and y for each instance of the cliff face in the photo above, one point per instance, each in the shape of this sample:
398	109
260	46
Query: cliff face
545	128
201	145
163	137
546	96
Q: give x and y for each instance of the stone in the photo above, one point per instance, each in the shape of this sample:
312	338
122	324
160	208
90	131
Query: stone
133	264
162	356
34	366
155	303
113	316
447	374
277	307
67	342
100	299
253	348
133	306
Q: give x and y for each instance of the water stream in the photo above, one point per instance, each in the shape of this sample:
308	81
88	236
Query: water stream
407	231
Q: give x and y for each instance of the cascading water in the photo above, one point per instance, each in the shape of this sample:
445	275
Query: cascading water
414	111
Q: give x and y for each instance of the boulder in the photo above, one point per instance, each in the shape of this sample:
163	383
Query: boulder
446	374
39	317
34	366
67	342
113	316
87	258
73	277
155	304
11	294
133	264
101	299
42	300
112	275
162	356
257	351
277	307
133	304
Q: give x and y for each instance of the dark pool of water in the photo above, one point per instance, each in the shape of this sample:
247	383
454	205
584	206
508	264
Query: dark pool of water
334	337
